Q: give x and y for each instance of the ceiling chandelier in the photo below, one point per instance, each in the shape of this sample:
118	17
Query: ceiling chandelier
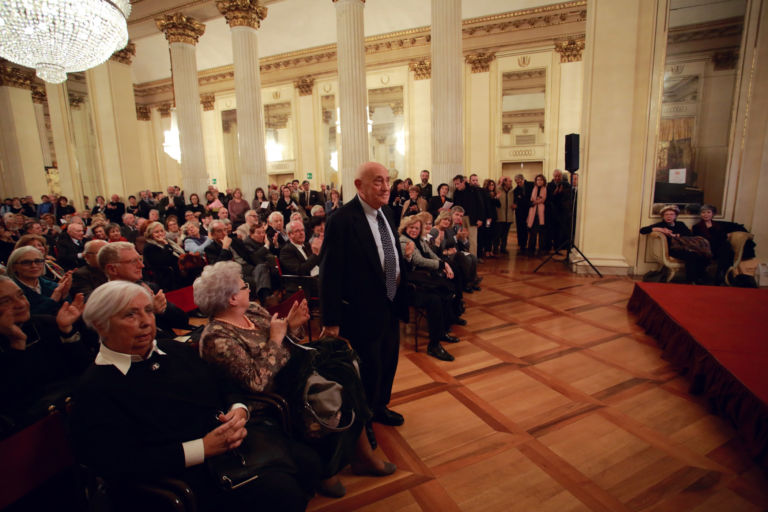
57	37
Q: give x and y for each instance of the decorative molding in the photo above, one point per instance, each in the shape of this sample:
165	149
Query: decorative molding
732	27
15	76
126	55
242	13
164	109
321	60
524	61
180	29
480	62
725	60
38	94
334	1
422	69
76	101
207	101
570	49
143	113
525	75
305	85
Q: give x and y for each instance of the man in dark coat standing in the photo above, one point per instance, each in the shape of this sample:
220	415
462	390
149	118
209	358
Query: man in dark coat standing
522	199
362	285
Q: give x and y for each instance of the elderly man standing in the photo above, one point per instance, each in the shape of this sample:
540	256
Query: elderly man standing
362	285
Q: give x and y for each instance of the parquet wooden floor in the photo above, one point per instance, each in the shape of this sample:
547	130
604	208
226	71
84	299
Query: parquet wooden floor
556	401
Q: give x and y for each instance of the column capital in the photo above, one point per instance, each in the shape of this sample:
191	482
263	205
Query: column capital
143	113
480	62
164	109
207	101
570	49
422	69
242	13
14	76
180	29
38	94
126	55
76	101
305	85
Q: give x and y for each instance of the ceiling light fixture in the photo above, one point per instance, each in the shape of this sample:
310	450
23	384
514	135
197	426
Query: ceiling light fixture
57	37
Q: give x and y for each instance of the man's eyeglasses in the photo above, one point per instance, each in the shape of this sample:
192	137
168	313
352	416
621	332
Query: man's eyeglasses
38	261
134	261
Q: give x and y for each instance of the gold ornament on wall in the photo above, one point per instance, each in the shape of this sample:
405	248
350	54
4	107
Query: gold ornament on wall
305	85
480	62
180	29
524	61
126	55
38	94
164	109
570	49
242	13
207	101
422	69
143	113
14	76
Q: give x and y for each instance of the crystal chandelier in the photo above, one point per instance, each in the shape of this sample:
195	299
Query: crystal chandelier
57	37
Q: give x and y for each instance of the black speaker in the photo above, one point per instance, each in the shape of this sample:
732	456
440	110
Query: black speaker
572	152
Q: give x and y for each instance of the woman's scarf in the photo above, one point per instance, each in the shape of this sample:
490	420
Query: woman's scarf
537	208
419	245
177	250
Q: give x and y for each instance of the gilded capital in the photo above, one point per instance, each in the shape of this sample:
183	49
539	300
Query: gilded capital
15	76
305	85
164	109
143	113
242	13
180	29
76	101
480	62
570	49
38	94
207	101
422	69
126	55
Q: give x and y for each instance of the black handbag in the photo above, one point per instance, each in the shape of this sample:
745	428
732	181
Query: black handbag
263	449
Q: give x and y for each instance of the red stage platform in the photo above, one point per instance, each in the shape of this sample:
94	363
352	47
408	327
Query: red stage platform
718	337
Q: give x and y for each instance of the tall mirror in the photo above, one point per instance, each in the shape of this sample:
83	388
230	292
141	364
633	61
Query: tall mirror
522	107
700	78
386	128
330	135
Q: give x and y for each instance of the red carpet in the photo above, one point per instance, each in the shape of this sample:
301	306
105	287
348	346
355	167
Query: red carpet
718	336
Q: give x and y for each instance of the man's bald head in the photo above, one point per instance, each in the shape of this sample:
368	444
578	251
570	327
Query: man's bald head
372	183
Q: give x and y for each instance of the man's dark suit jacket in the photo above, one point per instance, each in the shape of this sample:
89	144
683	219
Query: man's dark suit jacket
115	215
352	283
67	251
293	263
86	279
314	198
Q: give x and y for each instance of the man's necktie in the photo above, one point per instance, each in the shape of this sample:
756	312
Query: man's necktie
390	263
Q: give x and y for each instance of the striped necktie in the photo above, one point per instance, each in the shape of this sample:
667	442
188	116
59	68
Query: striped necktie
390	263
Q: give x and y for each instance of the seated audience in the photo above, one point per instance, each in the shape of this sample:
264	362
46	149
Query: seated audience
193	240
172	231
70	246
120	262
194	206
90	276
334	203
275	233
415	203
147	409
716	232
695	264
40	357
26	265
251	349
161	258
299	257
457	236
53	270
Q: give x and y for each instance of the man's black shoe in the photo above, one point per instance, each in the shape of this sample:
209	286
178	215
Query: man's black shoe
388	417
450	339
438	352
460	321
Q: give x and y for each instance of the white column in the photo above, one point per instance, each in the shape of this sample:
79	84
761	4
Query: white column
306	148
38	99
64	143
447	96
183	33
353	94
21	157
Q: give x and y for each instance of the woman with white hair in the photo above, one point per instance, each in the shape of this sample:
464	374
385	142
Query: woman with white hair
253	350
147	409
26	265
161	257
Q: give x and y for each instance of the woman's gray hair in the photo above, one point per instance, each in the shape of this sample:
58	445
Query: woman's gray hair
273	215
109	299
215	286
19	253
151	228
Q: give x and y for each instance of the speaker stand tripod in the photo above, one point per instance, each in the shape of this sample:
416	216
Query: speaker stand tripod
568	245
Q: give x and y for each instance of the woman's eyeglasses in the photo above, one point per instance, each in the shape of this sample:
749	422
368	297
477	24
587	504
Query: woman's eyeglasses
37	261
